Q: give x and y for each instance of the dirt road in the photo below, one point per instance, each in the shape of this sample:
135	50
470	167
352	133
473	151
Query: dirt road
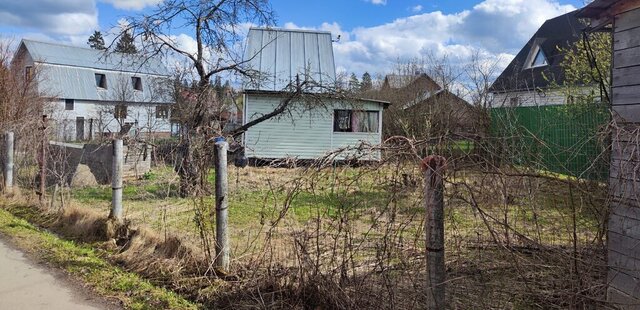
25	285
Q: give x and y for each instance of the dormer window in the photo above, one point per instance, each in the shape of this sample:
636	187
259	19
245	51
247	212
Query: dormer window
101	80
537	58
136	82
540	60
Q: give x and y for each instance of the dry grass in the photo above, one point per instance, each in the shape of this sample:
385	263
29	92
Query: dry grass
352	238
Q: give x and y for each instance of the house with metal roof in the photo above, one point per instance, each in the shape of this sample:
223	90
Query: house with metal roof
284	58
94	93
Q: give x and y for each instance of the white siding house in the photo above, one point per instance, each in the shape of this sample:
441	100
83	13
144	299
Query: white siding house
95	93
284	57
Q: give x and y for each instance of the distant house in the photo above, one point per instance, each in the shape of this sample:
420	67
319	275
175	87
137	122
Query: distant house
284	57
95	93
421	108
529	79
529	107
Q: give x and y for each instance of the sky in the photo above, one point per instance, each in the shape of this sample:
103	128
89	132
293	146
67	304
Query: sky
374	34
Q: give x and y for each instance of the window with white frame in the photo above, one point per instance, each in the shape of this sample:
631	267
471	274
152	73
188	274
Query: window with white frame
539	58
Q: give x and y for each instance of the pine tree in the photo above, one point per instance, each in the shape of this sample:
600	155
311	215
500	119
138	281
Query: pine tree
96	41
125	44
366	83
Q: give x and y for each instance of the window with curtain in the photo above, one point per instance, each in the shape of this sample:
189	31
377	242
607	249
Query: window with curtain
355	121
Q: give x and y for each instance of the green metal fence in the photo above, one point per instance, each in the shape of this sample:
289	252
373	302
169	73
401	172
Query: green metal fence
565	139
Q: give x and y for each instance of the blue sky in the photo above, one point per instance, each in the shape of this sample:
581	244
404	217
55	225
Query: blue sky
375	33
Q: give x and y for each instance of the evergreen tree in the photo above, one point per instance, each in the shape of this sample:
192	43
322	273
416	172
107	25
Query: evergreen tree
125	44
96	41
354	84
366	84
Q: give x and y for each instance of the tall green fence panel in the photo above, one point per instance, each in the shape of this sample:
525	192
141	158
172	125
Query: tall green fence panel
565	139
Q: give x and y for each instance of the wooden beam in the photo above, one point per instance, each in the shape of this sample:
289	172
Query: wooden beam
624	6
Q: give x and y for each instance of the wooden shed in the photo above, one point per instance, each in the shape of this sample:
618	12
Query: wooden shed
306	131
623	18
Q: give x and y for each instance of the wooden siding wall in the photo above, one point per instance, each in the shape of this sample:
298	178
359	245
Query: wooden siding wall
624	221
304	134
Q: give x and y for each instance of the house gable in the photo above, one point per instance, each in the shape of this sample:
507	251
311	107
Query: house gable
70	72
282	57
543	49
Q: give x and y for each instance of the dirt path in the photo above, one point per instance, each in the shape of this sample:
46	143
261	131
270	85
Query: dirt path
25	285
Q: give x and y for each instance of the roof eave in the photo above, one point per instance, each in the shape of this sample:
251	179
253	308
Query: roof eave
385	104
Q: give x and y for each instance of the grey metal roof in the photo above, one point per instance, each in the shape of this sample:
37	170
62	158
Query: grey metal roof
70	72
282	54
80	83
53	53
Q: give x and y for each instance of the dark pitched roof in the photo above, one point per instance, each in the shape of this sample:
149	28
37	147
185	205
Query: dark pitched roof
558	32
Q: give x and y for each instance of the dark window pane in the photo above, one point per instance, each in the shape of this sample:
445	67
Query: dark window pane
342	121
68	104
101	80
136	82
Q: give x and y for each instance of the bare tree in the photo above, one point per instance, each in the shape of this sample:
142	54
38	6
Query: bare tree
217	28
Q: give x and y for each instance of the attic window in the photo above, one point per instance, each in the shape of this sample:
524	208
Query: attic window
136	81
27	73
540	59
68	104
101	80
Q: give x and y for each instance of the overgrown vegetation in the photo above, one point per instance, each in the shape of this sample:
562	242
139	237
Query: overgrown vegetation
86	262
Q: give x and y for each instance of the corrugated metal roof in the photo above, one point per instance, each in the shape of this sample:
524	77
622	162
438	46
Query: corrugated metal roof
70	72
282	54
53	53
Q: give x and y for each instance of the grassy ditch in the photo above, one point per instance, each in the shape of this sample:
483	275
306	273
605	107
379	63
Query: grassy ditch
87	264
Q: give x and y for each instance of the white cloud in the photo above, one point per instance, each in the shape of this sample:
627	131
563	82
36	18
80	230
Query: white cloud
132	4
416	9
65	17
495	28
378	2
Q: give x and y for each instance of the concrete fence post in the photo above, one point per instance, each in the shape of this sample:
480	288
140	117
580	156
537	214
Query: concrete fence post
116	180
43	160
222	233
433	168
8	164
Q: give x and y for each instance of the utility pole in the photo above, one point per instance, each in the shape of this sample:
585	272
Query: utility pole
433	168
116	180
8	164
222	233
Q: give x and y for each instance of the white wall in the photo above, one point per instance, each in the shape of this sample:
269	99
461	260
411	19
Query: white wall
305	134
103	119
535	98
528	99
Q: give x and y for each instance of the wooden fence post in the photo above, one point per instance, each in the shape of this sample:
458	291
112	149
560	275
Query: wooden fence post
116	180
433	168
222	233
8	164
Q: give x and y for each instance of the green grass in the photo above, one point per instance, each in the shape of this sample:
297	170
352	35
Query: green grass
86	263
